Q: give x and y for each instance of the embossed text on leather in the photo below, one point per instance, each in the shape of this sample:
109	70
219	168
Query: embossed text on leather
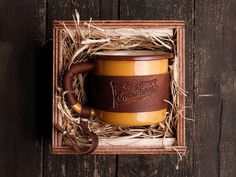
130	93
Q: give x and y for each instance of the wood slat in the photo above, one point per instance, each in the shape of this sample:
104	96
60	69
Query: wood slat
210	65
215	43
126	150
163	165
21	143
87	165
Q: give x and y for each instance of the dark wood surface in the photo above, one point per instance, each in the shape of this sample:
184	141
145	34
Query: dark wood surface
25	90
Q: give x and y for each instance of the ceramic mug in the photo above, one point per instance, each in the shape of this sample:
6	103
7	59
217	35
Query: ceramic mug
128	87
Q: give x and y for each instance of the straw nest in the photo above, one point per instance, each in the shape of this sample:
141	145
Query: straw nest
85	39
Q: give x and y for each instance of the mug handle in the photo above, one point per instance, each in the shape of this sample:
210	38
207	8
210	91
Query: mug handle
83	110
78	68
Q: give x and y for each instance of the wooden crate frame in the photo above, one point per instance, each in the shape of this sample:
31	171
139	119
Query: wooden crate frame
179	147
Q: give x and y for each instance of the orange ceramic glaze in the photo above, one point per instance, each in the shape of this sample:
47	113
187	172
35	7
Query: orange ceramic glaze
129	64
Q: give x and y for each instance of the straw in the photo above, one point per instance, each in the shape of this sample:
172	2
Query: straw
81	42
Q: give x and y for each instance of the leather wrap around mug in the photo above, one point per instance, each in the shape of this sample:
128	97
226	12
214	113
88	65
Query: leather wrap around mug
128	87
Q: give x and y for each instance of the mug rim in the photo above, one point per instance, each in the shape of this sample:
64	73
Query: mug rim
140	55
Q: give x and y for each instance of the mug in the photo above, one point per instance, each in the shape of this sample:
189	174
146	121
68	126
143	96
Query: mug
128	87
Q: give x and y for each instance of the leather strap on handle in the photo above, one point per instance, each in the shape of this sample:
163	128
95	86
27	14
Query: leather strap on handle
77	68
72	139
83	110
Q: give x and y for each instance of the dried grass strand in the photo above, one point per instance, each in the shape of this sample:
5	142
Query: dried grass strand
83	42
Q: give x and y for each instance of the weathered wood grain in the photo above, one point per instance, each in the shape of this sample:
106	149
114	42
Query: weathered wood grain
39	20
210	65
215	88
92	165
65	165
21	146
163	165
108	10
87	165
64	10
87	9
57	10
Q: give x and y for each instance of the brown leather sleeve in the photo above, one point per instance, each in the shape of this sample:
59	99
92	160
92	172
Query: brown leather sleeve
130	94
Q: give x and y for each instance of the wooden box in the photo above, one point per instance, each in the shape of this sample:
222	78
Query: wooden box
178	27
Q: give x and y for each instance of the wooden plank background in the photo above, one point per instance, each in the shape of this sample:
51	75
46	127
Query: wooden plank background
25	90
